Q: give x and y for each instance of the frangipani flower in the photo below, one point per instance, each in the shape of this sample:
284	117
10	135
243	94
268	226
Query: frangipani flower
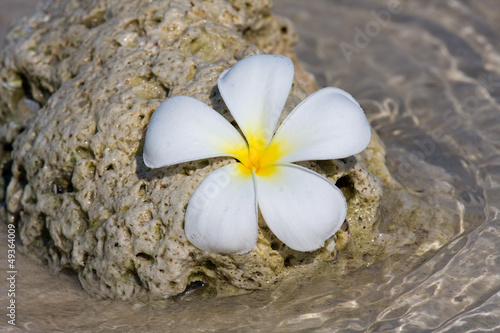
301	207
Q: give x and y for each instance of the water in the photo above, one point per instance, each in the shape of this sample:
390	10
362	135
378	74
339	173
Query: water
428	75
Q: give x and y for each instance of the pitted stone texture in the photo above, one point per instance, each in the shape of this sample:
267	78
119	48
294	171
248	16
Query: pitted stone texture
80	192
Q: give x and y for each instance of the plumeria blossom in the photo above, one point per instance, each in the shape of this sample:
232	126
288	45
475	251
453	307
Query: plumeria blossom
301	207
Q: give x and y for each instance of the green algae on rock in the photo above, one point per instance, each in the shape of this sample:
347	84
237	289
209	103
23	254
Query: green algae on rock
80	192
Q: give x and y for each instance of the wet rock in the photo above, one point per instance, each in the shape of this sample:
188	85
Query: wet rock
78	188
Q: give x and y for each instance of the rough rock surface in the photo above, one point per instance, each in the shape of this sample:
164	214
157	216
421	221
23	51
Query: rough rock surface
78	188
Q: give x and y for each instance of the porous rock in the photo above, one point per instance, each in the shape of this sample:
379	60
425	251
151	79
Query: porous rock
78	188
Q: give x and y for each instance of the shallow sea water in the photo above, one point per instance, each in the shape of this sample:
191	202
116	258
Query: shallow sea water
428	76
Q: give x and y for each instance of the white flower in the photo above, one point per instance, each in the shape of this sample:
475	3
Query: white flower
302	208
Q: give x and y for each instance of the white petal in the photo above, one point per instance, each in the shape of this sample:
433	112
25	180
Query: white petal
184	129
222	213
328	124
302	208
255	90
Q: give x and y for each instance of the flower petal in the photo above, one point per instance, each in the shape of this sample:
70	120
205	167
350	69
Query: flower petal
222	213
302	208
328	124
184	129
255	90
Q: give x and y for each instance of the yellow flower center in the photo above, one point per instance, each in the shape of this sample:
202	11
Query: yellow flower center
258	157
